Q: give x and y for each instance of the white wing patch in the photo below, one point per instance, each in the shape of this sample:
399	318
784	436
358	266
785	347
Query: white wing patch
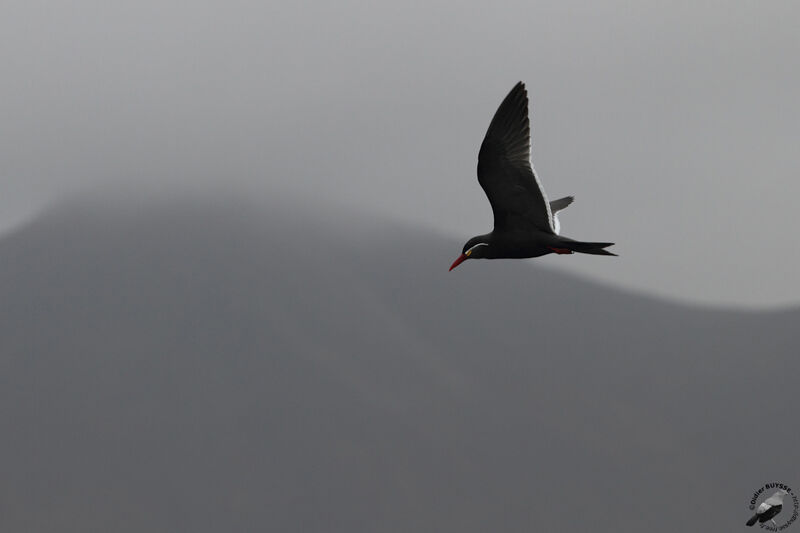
556	224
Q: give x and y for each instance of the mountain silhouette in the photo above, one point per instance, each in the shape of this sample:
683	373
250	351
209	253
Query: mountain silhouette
214	366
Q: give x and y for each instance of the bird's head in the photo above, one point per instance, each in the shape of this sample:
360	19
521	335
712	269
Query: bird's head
475	248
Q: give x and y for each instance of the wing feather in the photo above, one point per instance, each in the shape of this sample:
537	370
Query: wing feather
505	171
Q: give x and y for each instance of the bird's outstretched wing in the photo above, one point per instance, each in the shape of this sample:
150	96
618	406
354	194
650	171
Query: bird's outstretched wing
505	172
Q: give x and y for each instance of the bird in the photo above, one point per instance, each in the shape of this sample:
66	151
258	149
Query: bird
769	508
525	222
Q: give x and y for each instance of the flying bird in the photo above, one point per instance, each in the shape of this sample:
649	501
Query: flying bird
768	509
525	223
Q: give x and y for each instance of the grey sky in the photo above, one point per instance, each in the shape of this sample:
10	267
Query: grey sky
675	125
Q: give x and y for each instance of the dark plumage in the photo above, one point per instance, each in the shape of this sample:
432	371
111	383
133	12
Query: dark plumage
525	224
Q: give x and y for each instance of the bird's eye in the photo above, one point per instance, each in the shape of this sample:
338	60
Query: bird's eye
468	252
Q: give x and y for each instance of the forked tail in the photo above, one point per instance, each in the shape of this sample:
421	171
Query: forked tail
594	248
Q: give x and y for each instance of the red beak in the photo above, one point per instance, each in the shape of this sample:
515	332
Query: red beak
458	261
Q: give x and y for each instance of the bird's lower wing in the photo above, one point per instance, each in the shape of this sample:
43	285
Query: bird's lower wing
555	207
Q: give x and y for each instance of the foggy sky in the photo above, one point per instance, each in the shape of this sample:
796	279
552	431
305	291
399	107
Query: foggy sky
675	126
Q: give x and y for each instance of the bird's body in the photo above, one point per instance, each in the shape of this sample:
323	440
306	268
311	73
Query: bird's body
525	223
520	244
769	508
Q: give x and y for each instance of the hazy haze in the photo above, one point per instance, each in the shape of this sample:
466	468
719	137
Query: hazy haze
675	125
176	358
